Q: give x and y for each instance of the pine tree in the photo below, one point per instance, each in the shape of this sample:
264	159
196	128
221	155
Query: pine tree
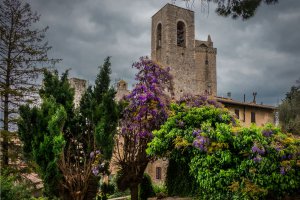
103	80
106	127
22	50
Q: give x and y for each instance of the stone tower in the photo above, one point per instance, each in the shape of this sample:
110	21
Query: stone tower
173	44
79	86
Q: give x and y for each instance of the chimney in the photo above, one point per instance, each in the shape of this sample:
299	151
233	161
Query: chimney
229	95
254	97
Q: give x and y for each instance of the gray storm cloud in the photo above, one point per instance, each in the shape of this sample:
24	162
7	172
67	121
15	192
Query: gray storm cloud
261	54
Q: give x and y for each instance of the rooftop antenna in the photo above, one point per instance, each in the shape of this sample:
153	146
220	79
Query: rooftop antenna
173	2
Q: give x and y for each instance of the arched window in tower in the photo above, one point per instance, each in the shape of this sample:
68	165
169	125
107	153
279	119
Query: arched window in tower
181	34
158	36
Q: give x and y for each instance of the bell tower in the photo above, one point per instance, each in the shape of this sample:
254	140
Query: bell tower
173	45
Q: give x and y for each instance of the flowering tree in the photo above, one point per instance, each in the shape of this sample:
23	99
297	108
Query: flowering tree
227	161
145	112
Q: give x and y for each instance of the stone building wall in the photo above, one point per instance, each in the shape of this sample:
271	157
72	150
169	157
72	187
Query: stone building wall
263	114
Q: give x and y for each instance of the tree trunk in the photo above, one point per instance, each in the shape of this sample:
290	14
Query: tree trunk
5	133
134	192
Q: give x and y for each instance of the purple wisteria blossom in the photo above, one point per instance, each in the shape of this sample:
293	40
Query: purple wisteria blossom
282	171
256	149
197	132
146	111
277	148
197	101
257	159
181	123
92	154
267	133
201	143
95	171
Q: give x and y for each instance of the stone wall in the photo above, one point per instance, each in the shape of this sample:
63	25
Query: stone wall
79	86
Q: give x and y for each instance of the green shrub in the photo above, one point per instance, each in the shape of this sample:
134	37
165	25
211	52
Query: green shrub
12	188
160	188
229	162
146	188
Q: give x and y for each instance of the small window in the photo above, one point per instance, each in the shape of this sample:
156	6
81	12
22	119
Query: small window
237	113
181	34
158	36
158	173
253	117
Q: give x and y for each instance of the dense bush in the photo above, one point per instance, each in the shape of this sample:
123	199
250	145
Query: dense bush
146	188
229	162
12	188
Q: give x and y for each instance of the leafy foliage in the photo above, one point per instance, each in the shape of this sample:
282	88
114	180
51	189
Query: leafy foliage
41	133
229	162
146	111
289	110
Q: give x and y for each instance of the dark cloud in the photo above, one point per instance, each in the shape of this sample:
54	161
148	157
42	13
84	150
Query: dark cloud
260	54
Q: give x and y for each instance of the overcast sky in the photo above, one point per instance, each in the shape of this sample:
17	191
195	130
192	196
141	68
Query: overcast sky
261	54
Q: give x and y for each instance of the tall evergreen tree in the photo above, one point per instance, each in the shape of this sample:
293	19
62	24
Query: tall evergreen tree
106	127
100	112
22	49
102	82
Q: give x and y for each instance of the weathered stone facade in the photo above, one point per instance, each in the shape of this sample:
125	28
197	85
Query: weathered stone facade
173	44
122	90
79	86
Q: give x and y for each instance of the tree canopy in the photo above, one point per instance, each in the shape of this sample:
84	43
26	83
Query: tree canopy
243	9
